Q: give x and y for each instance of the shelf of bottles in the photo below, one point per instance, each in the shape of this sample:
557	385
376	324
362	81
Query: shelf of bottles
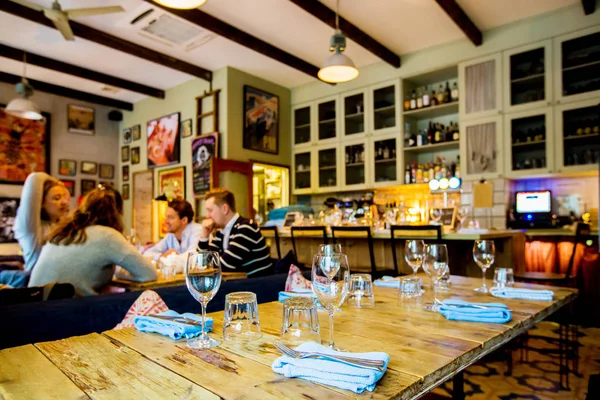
581	65
327	160
354	114
302	125
527	77
528	138
385	160
581	136
327	122
425	102
435	137
355	164
384	108
439	168
302	172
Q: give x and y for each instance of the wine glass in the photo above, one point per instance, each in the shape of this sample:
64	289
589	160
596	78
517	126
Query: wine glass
330	249
484	253
203	279
331	284
461	214
435	264
435	214
413	254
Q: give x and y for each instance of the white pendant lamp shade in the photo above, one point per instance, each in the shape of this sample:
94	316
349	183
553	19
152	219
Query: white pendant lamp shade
22	107
181	4
338	68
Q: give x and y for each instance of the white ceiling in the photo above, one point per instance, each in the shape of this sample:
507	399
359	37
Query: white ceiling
403	26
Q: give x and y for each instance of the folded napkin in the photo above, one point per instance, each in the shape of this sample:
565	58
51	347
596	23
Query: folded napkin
296	293
388	281
173	329
331	372
458	310
520	293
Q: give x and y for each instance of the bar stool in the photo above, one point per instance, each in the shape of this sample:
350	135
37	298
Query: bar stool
317	229
407	232
275	235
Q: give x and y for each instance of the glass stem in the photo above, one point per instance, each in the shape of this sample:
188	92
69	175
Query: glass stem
331	344
204	336
483	278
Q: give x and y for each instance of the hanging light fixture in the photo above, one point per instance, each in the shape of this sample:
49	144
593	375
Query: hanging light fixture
181	4
21	106
338	67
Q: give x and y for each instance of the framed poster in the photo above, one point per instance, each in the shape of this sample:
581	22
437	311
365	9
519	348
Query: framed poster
186	128
204	148
69	185
136	132
142	193
107	171
261	120
171	182
163	141
8	214
67	167
125	191
24	147
127	136
81	119
89	167
124	153
135	155
125	173
87	185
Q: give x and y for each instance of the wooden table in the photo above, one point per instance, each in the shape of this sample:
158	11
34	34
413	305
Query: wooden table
425	350
177	280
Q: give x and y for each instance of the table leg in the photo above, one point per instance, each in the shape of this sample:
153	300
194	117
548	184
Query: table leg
458	386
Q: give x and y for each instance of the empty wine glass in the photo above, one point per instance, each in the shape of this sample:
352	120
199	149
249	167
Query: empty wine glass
435	214
331	284
484	253
461	215
435	264
203	279
413	254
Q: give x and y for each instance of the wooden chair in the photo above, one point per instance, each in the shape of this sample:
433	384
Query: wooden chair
275	236
407	232
318	229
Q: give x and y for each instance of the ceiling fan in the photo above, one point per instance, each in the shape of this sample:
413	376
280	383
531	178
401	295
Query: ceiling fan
60	17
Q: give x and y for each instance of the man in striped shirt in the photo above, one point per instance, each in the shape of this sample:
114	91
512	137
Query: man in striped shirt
238	240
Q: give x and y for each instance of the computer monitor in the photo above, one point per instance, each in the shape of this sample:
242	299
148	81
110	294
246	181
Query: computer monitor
533	202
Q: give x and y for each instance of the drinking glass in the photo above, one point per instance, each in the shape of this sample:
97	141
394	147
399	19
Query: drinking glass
361	291
300	320
413	254
240	320
461	215
504	277
484	252
203	279
435	264
330	283
410	291
435	214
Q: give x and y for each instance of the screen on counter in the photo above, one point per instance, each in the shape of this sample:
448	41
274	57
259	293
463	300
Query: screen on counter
534	202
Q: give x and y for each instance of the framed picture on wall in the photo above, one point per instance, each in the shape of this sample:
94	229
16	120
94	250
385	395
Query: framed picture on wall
8	214
67	167
135	155
171	182
87	185
125	173
136	132
107	171
69	185
261	120
162	135
204	148
127	135
89	167
125	154
125	191
186	128
81	120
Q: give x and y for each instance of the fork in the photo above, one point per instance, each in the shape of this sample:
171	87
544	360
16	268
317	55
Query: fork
471	305
181	320
357	362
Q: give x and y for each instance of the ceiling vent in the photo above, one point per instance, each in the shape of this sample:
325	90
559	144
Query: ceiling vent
110	89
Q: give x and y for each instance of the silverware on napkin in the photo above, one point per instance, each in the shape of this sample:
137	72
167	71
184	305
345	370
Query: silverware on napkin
478	306
179	319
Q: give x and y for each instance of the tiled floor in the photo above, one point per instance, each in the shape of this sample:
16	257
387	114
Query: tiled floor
536	378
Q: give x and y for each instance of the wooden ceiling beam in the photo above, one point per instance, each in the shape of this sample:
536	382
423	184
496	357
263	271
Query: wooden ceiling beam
462	20
56	65
238	36
67	92
105	39
326	15
589	6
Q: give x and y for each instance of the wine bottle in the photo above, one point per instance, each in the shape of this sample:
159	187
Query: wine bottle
407	177
426	99
447	93
386	153
413	100
407	103
438	134
419	98
419	178
440	94
434	100
456	133
454	93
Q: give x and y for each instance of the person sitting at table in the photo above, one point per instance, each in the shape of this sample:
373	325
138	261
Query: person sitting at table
83	249
183	234
44	202
239	242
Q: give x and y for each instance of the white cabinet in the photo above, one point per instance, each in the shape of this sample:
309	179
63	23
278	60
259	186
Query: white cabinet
328	162
480	87
303	171
385	163
527	77
328	121
354	118
303	125
385	105
355	164
529	143
481	148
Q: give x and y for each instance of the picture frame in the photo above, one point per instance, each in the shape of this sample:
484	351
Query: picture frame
125	191
89	167
69	185
107	171
204	148
142	202
163	141
87	185
448	218
127	135
125	173
136	132
67	167
8	215
125	154
261	120
81	120
135	155
186	128
171	182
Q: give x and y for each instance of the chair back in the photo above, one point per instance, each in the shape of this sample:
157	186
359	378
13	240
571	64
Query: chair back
409	232
582	231
275	236
339	232
315	229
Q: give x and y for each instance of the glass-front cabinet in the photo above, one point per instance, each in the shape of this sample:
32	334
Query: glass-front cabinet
481	148
480	87
355	156
327	112
385	107
302	171
577	62
385	160
302	125
529	144
327	175
528	77
578	136
354	116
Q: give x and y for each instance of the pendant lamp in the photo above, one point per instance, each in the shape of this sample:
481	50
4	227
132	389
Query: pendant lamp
21	106
338	67
181	4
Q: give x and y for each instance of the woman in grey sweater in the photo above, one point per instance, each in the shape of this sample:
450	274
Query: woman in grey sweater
84	249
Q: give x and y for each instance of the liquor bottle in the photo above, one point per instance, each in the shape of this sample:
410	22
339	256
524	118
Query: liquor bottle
407	103
413	173
420	139
407	174
436	172
430	133
386	153
393	153
447	134
433	97
412	141
347	157
447	93
454	93
379	153
426	98
456	133
440	94
431	171
362	155
413	100
419	178
457	172
426	173
437	138
419	98
443	169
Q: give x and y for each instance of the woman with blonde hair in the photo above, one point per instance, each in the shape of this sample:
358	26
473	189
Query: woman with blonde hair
83	249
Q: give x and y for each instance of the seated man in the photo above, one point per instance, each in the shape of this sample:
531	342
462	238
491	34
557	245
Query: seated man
239	242
183	234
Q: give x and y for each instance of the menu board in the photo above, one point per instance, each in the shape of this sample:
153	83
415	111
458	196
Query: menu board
204	148
143	193
448	217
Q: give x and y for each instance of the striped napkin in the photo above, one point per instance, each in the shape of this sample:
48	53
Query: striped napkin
523	294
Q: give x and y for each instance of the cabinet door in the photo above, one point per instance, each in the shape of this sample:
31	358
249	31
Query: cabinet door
355	166
302	167
577	65
385	160
481	148
385	105
528	143
527	72
327	120
577	136
302	125
354	121
480	87
328	164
